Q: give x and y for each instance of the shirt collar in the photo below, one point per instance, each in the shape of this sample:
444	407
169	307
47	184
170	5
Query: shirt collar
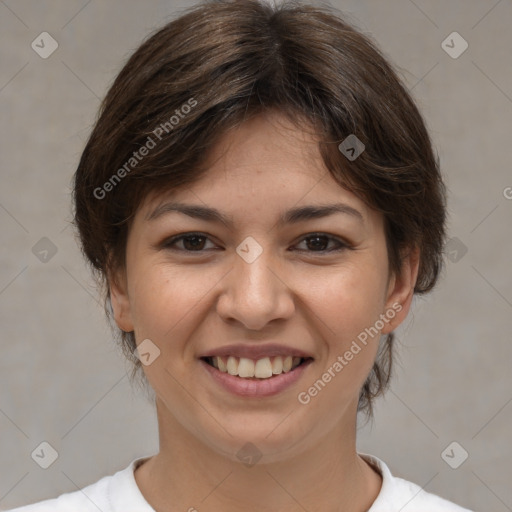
124	494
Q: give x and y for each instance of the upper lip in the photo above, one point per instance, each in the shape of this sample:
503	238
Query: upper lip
255	351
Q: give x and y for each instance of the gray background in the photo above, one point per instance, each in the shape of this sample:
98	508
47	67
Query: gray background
63	381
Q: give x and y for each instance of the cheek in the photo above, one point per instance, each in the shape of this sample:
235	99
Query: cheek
161	296
347	303
348	300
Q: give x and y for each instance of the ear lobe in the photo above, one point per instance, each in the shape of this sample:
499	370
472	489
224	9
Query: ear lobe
120	301
401	289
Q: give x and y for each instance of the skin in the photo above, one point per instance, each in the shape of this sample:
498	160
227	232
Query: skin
296	293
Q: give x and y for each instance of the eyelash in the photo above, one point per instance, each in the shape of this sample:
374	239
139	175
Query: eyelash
169	243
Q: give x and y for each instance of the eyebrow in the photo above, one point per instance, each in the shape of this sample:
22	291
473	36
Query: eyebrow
292	216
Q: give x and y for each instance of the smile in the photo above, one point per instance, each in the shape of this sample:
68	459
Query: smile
245	377
263	368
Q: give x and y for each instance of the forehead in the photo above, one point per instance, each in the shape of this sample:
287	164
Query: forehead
262	167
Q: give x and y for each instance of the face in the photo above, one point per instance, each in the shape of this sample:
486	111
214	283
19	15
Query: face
267	279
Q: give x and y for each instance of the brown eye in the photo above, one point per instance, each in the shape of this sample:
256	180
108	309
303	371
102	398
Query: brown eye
319	242
192	242
195	242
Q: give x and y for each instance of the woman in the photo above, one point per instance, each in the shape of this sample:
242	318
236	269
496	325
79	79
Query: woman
261	200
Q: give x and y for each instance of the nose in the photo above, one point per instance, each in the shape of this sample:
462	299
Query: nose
255	293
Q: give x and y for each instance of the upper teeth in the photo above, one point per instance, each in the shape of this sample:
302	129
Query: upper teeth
262	368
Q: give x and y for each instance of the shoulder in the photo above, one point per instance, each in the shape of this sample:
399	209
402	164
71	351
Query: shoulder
399	494
110	494
89	498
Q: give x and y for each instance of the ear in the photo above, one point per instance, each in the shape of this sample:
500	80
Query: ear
120	300
401	289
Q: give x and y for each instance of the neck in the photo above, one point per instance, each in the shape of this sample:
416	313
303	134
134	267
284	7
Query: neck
188	474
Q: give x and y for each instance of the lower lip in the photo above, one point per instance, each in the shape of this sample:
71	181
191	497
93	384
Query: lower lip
256	387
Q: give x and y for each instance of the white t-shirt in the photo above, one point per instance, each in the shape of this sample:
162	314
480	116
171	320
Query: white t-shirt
119	493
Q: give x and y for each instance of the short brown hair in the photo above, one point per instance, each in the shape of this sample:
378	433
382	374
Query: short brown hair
224	61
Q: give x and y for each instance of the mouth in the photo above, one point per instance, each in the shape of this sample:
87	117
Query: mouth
264	368
255	379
